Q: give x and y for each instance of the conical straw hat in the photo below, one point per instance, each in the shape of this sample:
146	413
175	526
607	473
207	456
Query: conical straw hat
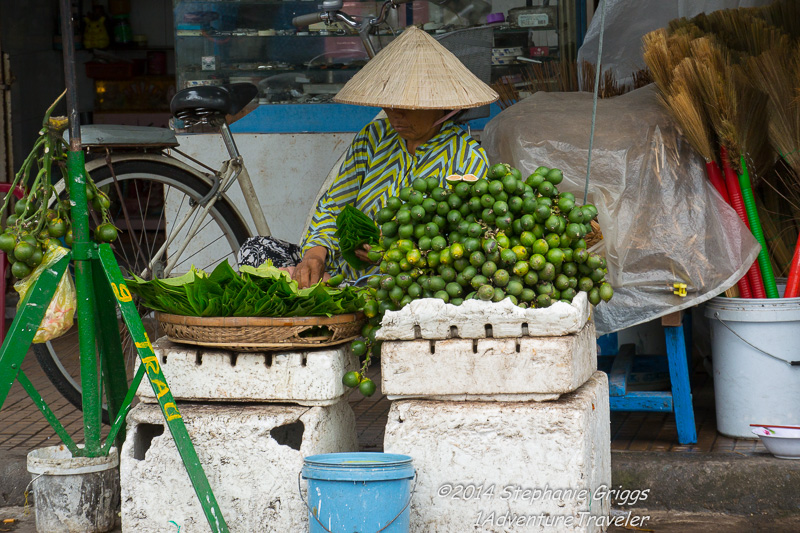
416	72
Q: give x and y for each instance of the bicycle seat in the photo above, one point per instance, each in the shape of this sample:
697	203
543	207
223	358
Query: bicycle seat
197	103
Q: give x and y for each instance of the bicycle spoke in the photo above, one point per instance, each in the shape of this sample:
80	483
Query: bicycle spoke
120	246
176	218
182	262
194	231
135	249
124	208
162	216
143	233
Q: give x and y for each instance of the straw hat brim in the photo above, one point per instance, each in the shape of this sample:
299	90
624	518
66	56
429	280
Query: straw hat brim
416	72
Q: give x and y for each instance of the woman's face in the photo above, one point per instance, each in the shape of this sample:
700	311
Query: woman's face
415	125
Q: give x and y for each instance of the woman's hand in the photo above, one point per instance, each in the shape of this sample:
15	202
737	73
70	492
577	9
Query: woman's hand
362	251
312	267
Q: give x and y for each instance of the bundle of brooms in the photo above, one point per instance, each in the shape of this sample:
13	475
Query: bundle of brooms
731	80
565	76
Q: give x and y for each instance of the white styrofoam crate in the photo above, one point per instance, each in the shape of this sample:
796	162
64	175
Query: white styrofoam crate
476	460
433	319
521	369
210	374
251	454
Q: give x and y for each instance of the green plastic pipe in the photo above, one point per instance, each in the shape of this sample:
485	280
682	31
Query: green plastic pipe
84	287
755	226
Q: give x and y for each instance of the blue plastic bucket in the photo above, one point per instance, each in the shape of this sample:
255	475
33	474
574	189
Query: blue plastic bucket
358	492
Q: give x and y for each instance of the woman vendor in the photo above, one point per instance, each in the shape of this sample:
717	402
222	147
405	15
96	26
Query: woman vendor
420	85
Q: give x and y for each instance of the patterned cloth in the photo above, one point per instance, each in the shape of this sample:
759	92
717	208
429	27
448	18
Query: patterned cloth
256	250
377	166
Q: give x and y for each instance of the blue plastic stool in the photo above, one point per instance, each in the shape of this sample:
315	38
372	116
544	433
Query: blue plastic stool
679	400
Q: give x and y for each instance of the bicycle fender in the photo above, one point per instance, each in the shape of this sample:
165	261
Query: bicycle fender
157	158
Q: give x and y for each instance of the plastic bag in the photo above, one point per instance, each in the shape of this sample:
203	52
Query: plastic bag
662	221
627	21
60	313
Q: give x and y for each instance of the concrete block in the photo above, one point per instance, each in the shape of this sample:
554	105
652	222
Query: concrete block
202	374
251	454
433	319
521	369
499	467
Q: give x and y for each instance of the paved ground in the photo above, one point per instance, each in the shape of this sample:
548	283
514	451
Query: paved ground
682	522
713	482
656	521
22	520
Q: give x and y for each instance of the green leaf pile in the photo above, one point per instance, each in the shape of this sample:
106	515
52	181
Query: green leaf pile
254	292
354	228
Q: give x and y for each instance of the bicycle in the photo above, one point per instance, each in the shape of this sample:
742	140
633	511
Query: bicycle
172	213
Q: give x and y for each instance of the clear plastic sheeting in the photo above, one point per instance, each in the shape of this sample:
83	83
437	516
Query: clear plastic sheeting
627	21
662	221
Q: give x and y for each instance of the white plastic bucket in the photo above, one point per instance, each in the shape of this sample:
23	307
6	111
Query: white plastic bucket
74	494
756	362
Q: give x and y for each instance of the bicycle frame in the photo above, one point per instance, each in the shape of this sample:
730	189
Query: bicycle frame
230	171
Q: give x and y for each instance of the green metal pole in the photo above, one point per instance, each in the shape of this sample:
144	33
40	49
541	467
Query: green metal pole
84	286
20	336
82	247
48	414
112	360
118	422
162	391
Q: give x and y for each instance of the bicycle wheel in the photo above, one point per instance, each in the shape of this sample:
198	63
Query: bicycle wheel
147	198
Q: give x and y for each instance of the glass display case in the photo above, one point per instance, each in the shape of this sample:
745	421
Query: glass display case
230	41
254	40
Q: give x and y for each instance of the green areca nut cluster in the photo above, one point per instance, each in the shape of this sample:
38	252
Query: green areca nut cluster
488	239
39	216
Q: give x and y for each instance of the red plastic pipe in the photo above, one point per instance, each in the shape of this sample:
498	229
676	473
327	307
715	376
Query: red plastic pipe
715	176
793	283
735	194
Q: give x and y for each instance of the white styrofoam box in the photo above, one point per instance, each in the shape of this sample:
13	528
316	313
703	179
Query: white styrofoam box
488	467
210	374
431	318
521	369
251	454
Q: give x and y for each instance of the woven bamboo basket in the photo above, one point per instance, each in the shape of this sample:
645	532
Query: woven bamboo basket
256	334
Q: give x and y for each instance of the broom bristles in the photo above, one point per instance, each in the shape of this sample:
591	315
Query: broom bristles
784	14
776	73
687	109
749	123
657	58
708	74
746	34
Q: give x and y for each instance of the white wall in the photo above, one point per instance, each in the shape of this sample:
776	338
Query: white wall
287	171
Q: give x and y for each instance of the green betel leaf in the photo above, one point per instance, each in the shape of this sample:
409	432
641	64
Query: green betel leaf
354	228
268	274
265	291
223	273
